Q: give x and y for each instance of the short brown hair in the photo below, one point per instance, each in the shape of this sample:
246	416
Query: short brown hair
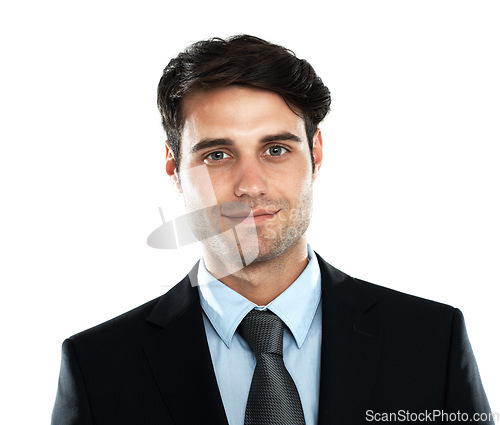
243	60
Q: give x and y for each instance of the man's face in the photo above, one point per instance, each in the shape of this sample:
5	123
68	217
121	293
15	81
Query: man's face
245	162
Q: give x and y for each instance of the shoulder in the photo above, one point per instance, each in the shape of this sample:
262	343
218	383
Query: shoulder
394	308
401	310
402	301
119	332
146	319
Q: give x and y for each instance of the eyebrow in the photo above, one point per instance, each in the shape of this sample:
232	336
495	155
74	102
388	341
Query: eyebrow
208	143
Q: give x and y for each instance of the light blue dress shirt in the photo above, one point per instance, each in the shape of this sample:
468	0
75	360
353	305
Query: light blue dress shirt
299	306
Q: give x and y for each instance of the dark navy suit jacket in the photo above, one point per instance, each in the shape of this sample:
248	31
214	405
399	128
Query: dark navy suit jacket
383	352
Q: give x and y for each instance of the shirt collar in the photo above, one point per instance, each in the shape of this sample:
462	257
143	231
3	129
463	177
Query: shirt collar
296	306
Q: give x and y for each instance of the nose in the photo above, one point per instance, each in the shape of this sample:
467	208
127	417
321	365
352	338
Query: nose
250	179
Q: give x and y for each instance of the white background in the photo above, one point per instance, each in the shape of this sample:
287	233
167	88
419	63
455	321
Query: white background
407	196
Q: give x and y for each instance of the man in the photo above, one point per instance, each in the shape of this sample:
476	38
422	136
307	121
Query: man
262	330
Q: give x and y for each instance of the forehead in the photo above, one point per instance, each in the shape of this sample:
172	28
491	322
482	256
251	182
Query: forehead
237	112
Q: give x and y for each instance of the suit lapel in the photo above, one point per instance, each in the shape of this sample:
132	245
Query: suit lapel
350	348
179	358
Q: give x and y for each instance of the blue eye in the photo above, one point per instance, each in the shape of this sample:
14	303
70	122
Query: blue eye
276	150
217	156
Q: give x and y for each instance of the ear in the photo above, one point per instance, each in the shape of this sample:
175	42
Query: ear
317	152
171	168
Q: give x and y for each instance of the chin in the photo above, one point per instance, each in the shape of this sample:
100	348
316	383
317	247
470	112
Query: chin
268	250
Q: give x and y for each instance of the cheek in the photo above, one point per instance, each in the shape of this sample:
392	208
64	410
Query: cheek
223	188
197	188
294	180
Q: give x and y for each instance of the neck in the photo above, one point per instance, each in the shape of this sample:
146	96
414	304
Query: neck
262	281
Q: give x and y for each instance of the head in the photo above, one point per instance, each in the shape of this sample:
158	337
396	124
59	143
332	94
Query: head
240	60
241	117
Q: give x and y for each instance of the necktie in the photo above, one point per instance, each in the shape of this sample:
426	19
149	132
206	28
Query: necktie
273	397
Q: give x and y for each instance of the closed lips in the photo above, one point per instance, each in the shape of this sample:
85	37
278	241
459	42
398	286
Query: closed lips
255	213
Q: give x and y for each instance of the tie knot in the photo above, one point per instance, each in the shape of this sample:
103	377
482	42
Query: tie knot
263	331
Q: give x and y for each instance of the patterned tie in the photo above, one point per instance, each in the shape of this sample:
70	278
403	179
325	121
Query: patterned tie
273	397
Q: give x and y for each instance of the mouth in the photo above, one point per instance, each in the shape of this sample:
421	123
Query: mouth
252	217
